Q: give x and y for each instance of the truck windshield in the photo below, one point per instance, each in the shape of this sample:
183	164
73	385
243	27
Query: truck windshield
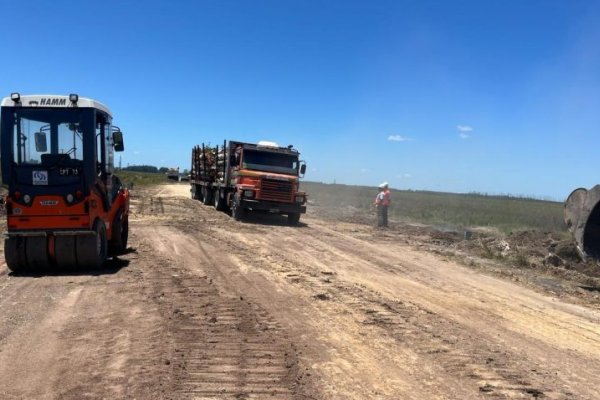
37	132
270	161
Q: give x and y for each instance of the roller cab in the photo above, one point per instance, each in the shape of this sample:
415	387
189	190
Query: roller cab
65	207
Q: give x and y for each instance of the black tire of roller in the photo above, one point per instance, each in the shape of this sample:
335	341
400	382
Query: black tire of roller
14	254
120	234
92	249
27	254
36	251
65	252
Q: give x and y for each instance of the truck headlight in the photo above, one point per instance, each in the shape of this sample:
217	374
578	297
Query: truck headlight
249	194
27	199
300	199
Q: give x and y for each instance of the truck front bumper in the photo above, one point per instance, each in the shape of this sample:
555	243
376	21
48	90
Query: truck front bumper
273	206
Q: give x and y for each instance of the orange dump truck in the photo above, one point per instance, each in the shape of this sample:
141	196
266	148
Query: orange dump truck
247	177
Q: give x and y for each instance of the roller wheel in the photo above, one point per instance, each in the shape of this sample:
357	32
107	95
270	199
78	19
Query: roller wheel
36	250
65	252
237	211
27	254
92	249
120	234
14	253
206	195
293	218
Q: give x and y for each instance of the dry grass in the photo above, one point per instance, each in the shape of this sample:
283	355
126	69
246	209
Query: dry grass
447	209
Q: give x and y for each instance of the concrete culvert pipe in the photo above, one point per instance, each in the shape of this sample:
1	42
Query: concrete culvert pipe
582	216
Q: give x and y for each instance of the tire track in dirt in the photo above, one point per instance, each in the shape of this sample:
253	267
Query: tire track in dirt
224	345
487	363
434	339
411	323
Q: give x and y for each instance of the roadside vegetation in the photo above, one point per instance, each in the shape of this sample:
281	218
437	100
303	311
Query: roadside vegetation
138	178
455	211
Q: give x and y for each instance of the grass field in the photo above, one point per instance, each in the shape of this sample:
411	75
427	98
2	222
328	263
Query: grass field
457	211
141	178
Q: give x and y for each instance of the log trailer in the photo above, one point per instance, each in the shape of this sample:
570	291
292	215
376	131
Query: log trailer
65	207
247	177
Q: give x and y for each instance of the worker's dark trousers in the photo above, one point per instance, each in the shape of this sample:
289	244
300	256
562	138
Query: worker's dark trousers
382	216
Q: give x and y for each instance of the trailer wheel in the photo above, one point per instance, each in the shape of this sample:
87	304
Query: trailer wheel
91	249
293	218
219	202
237	211
206	195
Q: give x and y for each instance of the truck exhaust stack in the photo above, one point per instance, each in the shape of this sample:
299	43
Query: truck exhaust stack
582	216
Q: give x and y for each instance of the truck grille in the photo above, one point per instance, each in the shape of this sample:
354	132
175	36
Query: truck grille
276	190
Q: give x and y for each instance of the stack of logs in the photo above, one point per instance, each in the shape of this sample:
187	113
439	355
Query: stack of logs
208	163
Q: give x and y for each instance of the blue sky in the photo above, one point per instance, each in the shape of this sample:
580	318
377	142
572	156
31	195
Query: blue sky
461	96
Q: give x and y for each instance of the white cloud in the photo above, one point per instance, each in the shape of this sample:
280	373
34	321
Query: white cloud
404	176
136	152
464	128
398	138
464	131
363	170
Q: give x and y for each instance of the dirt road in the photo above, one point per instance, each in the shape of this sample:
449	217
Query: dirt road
206	307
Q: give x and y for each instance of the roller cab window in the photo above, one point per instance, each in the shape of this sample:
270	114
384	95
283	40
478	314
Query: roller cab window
47	138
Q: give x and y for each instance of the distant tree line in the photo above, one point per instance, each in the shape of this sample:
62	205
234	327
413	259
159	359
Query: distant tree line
146	168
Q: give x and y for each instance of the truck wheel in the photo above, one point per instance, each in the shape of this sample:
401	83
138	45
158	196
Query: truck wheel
206	195
237	211
219	202
91	249
293	218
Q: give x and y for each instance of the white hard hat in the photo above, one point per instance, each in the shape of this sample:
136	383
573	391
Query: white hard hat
384	184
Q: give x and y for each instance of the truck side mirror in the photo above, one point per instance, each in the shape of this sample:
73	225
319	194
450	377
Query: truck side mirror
118	141
302	169
41	145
